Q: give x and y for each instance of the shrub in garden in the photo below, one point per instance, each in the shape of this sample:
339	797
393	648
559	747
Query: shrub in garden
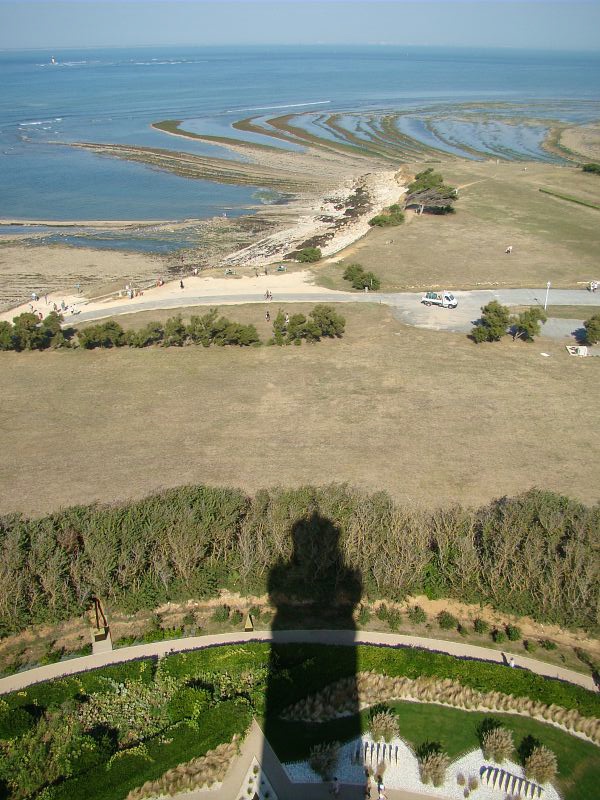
473	783
497	744
323	759
433	763
592	167
364	615
530	645
447	621
513	632
480	626
383	725
416	615
498	636
548	644
541	765
221	613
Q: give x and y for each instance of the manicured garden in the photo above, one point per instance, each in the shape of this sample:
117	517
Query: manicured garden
132	722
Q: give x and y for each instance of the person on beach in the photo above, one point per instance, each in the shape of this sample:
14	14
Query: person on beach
508	250
181	286
268	316
266	271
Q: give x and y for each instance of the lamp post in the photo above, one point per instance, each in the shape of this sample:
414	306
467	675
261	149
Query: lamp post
548	285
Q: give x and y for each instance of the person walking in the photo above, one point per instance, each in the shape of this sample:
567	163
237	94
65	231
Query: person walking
335	787
181	286
268	316
512	662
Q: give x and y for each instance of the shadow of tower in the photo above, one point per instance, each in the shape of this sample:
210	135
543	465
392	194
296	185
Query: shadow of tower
314	591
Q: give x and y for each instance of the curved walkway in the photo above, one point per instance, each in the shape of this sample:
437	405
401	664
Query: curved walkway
406	306
459	649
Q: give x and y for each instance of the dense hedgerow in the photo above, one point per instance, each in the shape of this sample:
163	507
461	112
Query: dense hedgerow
535	554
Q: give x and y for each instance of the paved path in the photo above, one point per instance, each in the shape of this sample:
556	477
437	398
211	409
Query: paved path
459	649
406	305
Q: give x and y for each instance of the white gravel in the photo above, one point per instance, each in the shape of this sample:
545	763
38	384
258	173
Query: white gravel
402	771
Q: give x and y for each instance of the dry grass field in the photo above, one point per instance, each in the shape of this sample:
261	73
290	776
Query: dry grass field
499	204
428	416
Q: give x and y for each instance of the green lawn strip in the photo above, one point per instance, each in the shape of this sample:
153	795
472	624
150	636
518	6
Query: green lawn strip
573	312
176	746
570	199
303	669
456	732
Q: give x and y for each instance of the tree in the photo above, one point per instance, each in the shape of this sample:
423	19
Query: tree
28	333
308	255
175	332
527	324
107	334
7	341
361	279
429	191
152	333
593	168
328	320
493	323
591	325
203	329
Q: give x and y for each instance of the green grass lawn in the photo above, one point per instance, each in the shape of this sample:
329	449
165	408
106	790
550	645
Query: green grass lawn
457	733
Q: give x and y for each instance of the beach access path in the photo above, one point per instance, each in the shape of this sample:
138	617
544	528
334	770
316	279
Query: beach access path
21	680
296	287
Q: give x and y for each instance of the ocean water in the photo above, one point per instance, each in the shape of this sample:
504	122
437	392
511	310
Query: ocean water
110	95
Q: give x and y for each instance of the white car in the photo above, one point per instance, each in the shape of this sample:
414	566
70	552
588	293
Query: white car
444	299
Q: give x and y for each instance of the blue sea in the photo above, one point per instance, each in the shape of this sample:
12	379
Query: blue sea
447	98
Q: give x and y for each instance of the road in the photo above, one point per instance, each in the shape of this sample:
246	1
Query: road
405	305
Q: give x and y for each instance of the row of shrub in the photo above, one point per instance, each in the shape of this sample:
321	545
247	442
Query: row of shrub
535	554
28	332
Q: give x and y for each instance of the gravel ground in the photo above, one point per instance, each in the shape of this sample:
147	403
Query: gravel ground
402	771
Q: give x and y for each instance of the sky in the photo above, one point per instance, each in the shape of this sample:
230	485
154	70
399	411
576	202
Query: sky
540	24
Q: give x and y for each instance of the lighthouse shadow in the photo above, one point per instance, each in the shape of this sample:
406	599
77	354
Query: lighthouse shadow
313	590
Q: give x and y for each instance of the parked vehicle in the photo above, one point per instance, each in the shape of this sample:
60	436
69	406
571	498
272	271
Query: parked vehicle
444	299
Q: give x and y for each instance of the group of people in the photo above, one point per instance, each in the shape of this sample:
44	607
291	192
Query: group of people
268	295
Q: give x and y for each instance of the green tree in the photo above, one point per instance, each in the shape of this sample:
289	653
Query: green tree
591	325
236	333
175	332
594	168
301	328
527	324
106	334
152	333
204	329
279	328
361	279
7	341
493	323
328	320
308	255
28	333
